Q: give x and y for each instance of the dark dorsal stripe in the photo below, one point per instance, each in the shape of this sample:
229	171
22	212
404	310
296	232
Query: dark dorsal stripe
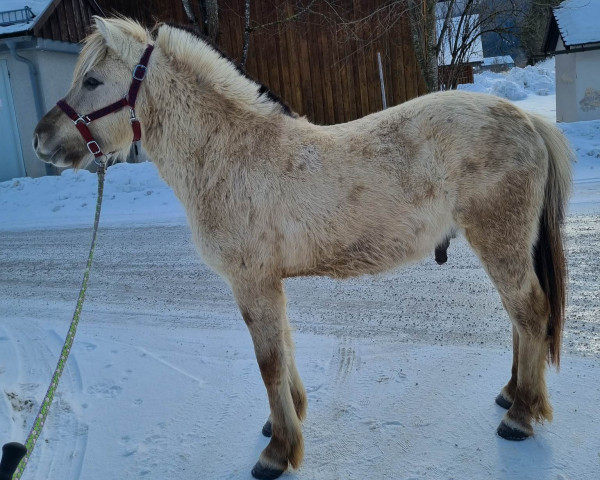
262	92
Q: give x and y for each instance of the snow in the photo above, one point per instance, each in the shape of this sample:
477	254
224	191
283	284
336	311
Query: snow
133	194
37	7
578	21
401	369
517	83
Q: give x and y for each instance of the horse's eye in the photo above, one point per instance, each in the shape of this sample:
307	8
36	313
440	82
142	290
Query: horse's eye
90	83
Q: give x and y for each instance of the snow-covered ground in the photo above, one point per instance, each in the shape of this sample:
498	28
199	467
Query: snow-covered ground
401	369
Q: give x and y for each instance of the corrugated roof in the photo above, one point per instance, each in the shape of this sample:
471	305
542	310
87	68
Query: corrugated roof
578	21
37	7
499	60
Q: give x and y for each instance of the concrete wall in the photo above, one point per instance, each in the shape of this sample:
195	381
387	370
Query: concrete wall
577	85
55	71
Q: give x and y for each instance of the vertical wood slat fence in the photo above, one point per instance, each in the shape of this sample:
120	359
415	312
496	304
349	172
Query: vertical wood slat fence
321	66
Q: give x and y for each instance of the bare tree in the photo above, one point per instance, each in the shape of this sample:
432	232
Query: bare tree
246	43
422	18
209	11
250	27
189	12
532	27
461	24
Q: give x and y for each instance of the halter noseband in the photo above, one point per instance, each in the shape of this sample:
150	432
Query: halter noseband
82	121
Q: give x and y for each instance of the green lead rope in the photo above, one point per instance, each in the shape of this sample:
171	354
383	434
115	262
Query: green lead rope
64	354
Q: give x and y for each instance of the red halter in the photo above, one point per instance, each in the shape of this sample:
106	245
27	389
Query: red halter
82	121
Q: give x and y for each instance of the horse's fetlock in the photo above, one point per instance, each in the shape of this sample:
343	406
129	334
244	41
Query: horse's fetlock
296	453
541	409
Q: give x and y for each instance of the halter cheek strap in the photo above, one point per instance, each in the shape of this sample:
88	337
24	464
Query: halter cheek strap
82	121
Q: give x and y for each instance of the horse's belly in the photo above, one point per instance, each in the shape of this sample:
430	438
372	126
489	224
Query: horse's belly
371	253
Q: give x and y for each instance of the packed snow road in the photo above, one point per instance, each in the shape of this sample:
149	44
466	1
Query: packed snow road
153	276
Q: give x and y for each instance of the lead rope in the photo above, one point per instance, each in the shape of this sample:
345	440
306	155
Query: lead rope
16	455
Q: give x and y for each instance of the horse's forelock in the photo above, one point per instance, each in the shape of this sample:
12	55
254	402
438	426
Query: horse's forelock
93	51
95	47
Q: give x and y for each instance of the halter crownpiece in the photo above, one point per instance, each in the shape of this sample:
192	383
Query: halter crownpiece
82	121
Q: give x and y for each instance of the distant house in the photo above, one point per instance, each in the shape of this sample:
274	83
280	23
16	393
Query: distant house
573	35
497	64
38	50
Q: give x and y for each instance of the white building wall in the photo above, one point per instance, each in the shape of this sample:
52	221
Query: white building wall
577	85
55	71
588	85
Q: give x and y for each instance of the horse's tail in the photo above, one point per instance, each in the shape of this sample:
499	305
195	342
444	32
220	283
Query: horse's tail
549	256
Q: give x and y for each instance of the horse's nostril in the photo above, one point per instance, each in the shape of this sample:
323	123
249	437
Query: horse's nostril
35	141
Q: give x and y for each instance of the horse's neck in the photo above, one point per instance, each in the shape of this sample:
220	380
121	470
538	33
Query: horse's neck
195	141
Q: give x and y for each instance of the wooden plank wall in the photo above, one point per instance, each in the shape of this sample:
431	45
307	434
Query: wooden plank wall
316	66
320	68
66	20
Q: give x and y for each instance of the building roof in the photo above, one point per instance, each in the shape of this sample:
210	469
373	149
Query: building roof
500	60
578	21
12	21
61	20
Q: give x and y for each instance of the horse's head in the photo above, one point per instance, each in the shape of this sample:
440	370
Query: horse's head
103	75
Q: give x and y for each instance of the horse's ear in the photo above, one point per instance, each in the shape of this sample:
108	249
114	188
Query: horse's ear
115	37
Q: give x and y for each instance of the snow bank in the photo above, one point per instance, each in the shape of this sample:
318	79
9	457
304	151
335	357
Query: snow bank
133	193
517	83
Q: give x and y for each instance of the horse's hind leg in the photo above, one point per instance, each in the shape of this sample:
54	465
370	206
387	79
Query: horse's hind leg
507	394
262	305
529	309
508	261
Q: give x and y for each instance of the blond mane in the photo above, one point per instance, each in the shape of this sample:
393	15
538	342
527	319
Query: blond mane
214	68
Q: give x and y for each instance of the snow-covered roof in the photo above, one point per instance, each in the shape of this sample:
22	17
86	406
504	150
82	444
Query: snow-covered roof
37	7
500	60
578	21
469	24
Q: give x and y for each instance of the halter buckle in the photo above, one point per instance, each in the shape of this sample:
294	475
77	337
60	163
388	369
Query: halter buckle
142	74
93	147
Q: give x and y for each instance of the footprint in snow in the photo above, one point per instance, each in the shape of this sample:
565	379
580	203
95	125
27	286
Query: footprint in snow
105	390
86	346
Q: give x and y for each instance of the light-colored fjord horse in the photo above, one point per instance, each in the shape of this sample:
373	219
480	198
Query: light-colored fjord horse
269	195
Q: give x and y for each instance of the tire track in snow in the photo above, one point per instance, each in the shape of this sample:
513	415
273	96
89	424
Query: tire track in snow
10	369
344	365
148	459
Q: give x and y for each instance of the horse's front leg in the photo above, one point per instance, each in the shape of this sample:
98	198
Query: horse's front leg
262	304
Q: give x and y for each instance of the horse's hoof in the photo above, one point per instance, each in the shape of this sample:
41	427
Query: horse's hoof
511	433
267	429
503	402
265	473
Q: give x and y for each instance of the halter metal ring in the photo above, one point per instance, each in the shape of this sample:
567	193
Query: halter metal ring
143	73
94	145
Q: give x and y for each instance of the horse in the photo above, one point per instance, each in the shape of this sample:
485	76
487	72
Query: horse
269	196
